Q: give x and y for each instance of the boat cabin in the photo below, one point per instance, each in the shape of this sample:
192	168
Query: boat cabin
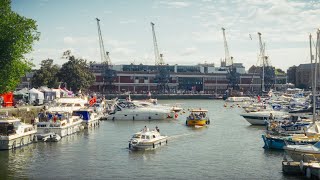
10	126
197	114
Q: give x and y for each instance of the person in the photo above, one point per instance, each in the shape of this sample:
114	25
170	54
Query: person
157	129
145	129
271	117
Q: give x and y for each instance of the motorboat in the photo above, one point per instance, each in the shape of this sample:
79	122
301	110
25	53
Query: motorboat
68	104
261	117
311	135
52	138
127	110
279	142
297	152
147	140
61	123
198	117
14	133
239	99
89	117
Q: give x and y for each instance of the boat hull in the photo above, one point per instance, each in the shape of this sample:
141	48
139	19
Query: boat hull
16	142
301	155
201	122
61	131
255	121
90	123
148	145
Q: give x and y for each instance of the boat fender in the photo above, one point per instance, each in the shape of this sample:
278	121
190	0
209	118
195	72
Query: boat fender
113	118
129	145
160	143
166	141
186	122
153	145
301	166
208	121
133	118
149	117
308	173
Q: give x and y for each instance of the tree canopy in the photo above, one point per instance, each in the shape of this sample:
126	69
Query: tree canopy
75	73
46	75
17	35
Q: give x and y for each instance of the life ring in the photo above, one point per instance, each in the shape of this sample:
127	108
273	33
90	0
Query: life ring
175	115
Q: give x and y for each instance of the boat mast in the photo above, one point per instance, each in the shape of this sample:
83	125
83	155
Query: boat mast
315	78
262	56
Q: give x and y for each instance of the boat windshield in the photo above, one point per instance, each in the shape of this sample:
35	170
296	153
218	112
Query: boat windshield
136	136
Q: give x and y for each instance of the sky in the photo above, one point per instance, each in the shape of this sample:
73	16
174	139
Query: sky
188	31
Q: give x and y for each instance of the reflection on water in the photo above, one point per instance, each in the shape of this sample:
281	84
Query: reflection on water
229	148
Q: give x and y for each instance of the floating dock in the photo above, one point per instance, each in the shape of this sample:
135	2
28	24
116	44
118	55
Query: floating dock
308	169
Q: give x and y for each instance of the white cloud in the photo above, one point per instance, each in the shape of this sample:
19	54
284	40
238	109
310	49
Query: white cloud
175	4
189	51
128	21
122	51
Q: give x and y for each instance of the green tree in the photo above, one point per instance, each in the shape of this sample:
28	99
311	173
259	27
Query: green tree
75	73
17	35
47	75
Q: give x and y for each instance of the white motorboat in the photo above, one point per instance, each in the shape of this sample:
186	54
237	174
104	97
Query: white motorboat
129	111
261	117
147	140
14	133
61	123
52	138
89	117
68	104
239	99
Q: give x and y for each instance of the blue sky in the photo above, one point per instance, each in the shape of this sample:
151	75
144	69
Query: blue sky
188	32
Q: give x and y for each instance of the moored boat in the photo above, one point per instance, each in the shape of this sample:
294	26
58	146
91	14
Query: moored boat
89	117
198	117
14	133
61	123
147	140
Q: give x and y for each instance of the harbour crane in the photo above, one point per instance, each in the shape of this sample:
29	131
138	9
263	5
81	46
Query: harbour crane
163	76
233	76
268	72
108	74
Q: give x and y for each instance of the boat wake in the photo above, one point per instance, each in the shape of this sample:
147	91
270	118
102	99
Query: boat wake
180	135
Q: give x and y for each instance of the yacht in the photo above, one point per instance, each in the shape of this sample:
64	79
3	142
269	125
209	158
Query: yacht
130	111
68	104
61	123
89	117
147	140
261	117
238	99
14	133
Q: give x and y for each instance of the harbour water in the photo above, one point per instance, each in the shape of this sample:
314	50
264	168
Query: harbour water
228	149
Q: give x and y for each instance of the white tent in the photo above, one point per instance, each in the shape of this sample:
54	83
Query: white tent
49	94
36	96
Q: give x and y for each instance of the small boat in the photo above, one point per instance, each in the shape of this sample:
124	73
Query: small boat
197	117
279	142
52	138
297	152
147	140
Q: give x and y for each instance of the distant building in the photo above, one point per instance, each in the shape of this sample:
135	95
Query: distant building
201	78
